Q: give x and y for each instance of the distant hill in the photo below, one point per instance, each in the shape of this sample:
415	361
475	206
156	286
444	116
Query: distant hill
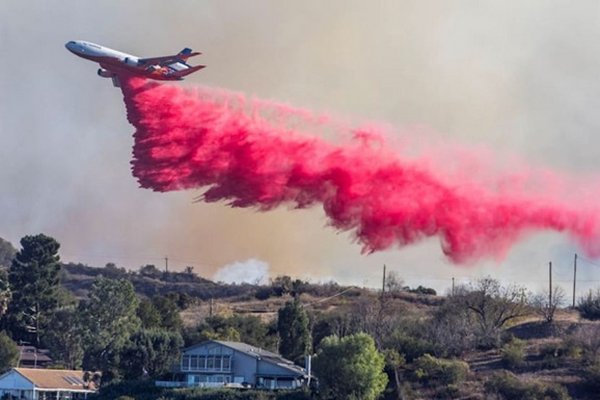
78	279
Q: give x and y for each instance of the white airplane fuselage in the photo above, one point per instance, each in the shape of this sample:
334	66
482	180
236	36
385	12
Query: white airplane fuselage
114	63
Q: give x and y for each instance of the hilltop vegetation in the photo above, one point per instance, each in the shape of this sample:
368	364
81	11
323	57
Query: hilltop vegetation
485	340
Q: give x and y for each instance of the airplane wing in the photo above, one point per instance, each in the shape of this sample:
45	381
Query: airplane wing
185	72
182	56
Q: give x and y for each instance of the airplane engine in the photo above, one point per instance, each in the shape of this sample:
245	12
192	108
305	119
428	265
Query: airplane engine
131	61
104	73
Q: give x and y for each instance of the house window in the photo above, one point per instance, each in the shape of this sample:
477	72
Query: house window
218	378
194	363
226	363
185	362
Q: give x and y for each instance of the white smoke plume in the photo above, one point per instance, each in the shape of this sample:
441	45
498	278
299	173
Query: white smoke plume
250	271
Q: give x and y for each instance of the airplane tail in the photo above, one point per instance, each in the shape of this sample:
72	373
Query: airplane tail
187	53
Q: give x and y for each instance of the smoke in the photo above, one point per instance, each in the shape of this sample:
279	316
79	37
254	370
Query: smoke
250	271
257	155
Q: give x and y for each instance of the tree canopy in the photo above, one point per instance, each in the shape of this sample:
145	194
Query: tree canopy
294	331
108	320
64	338
34	282
9	352
150	352
350	368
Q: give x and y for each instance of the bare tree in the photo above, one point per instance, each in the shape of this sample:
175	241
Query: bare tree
545	306
493	306
393	282
587	338
452	327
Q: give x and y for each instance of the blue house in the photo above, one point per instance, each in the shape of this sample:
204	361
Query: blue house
217	363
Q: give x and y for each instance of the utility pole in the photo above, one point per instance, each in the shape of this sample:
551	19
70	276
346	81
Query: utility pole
452	286
574	278
550	280
383	286
166	264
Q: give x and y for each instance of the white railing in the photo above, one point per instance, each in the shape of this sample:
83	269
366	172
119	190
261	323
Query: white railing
200	369
171	384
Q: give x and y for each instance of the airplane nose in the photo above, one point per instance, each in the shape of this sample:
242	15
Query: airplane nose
70	46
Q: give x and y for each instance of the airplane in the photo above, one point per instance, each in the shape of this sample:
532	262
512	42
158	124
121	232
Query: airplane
114	63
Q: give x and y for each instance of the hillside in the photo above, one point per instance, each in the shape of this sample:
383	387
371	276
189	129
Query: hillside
78	279
528	357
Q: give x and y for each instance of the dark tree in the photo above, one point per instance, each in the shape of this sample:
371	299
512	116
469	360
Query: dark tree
169	313
64	338
34	282
294	331
182	299
150	271
9	352
108	320
148	314
150	352
159	312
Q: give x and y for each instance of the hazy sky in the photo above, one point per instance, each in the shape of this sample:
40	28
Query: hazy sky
516	77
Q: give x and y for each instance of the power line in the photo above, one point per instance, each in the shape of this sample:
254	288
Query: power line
588	261
335	295
140	259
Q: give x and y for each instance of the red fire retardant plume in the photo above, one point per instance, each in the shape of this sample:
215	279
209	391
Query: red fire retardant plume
190	139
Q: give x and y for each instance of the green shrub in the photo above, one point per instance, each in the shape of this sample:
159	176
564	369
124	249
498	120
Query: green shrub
145	390
219	394
9	352
448	392
263	292
591	377
584	342
589	306
507	386
423	290
554	355
513	354
412	347
432	369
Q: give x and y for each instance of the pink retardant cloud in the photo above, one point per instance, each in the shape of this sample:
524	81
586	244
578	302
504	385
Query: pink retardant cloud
249	154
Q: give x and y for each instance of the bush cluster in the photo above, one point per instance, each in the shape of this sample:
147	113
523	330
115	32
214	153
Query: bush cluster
513	354
507	386
145	390
413	347
423	290
589	306
555	355
439	370
591	377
